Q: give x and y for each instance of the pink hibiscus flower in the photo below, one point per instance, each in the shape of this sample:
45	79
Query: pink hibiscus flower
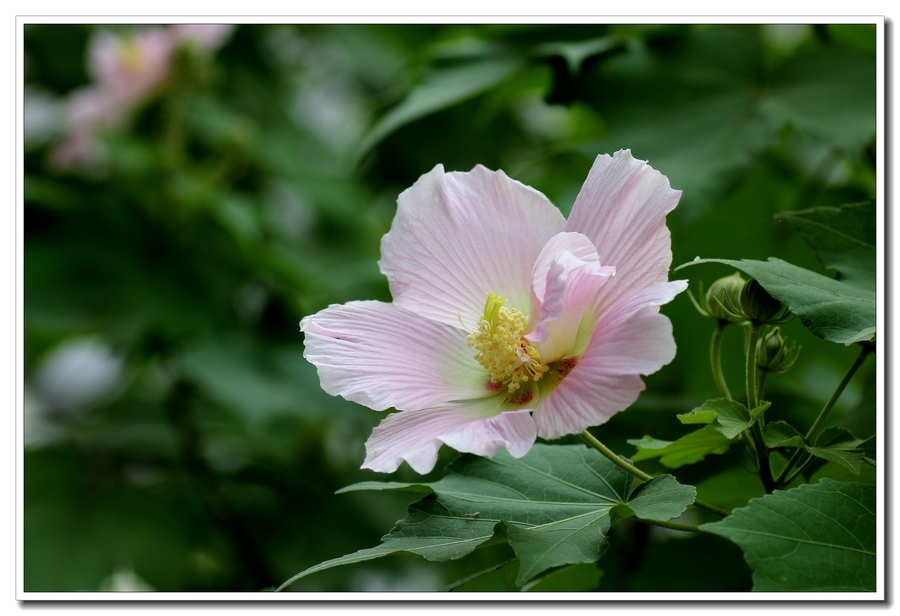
508	321
127	68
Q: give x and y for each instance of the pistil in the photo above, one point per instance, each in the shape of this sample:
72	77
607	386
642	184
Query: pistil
503	351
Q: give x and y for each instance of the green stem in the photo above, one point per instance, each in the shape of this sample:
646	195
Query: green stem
783	479
688	528
820	420
751	365
469	578
761	385
762	452
611	455
760	390
800	470
715	359
867	349
765	467
750	445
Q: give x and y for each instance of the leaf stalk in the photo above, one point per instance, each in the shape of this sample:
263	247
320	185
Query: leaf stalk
867	349
715	359
611	455
762	452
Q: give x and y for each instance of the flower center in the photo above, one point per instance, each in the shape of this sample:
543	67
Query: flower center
508	357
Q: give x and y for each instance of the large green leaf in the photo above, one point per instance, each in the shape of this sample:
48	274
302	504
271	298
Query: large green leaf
556	505
694	113
831	309
441	89
828	93
843	239
688	449
813	538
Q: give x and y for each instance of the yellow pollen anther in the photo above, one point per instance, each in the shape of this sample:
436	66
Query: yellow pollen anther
504	353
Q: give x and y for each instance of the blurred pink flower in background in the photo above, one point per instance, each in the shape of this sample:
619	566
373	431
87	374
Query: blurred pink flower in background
127	69
508	321
207	37
88	112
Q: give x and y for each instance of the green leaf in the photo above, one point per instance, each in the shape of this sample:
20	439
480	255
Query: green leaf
235	373
703	116
499	577
688	449
575	53
731	488
827	93
729	417
702	132
441	89
555	505
573	578
700	415
831	309
662	498
863	37
782	434
839	445
735	418
833	445
843	239
385	485
813	538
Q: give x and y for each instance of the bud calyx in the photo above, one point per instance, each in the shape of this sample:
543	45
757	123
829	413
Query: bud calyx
759	307
773	354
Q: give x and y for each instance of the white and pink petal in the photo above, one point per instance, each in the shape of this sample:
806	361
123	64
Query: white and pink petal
459	236
574	408
622	208
567	277
655	295
631	340
475	427
381	355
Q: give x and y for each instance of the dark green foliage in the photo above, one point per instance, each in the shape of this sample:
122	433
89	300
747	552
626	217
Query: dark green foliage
813	538
843	239
556	504
832	309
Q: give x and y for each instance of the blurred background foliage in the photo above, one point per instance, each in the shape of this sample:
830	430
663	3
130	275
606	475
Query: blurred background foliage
176	439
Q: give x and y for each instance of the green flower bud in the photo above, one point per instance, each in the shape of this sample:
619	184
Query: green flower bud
757	305
773	353
723	299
